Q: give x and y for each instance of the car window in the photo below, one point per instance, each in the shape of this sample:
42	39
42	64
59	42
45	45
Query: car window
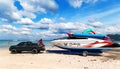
28	44
21	44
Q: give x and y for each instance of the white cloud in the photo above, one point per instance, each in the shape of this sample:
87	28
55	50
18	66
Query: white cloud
9	29
25	32
42	24
63	28
78	3
62	19
75	3
46	27
25	29
16	16
68	25
28	14
106	29
26	21
3	19
34	6
39	5
105	13
10	14
111	29
54	30
93	1
45	20
95	23
48	35
8	11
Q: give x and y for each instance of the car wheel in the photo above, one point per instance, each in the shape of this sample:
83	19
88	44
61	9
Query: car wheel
85	53
13	51
34	51
38	51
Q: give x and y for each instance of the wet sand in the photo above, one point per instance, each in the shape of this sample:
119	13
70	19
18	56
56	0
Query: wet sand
46	60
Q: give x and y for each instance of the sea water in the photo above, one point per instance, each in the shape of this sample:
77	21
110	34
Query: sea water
8	43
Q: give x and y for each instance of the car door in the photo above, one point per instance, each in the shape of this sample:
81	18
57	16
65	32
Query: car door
21	46
28	46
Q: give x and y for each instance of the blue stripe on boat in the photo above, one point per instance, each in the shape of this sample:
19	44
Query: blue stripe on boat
90	35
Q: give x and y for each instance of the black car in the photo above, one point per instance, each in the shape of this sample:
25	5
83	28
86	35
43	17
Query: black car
27	46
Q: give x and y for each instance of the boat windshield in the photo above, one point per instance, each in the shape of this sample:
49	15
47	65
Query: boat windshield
73	38
77	38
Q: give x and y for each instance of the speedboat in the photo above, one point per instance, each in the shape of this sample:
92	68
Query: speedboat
76	44
84	44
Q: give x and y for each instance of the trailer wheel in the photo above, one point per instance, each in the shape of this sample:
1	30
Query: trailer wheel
85	53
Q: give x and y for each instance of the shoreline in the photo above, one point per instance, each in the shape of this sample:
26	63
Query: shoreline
47	60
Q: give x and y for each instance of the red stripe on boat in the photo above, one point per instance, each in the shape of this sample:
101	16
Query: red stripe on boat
97	42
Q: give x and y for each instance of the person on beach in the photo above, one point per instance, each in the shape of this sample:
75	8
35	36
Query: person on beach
40	43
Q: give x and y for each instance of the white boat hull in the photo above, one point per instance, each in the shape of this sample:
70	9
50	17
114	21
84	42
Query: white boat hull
81	43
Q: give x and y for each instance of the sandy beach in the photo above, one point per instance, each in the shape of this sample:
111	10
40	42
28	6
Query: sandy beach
48	60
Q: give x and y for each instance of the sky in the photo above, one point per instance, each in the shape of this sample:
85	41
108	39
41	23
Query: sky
49	19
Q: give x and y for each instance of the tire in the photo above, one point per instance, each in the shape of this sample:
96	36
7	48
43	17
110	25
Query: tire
85	53
13	51
34	51
38	51
19	52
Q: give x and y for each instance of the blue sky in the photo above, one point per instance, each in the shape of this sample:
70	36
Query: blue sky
49	19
